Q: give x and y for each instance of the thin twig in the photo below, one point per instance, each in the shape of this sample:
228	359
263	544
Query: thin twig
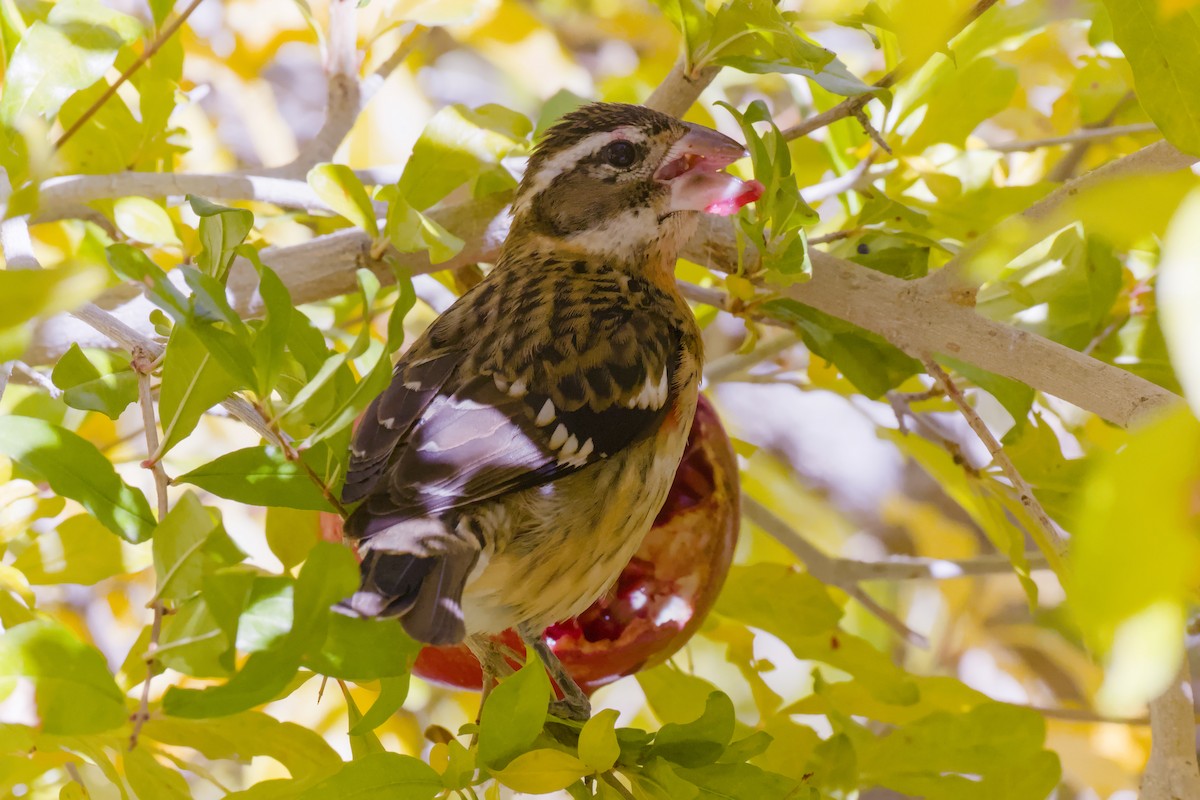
617	786
871	130
143	712
143	364
1050	540
835	236
36	378
1084	135
822	567
146	55
1066	166
852	106
733	364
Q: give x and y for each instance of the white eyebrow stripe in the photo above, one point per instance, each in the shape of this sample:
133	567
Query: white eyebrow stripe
559	163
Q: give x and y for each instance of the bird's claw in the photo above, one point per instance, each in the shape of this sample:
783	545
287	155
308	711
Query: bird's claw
569	709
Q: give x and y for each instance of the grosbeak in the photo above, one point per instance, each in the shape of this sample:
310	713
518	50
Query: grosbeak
529	437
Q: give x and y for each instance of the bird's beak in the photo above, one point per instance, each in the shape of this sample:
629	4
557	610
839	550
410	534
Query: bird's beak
692	169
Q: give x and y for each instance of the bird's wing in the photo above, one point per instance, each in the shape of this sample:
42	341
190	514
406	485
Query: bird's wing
456	437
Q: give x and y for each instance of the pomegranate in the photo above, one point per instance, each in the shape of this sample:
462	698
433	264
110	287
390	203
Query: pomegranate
662	595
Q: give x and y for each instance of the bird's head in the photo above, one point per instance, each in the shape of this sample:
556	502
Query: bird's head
622	180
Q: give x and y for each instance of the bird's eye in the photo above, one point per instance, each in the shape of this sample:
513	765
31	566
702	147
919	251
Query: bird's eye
619	153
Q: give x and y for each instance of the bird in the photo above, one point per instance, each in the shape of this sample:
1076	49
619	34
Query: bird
528	438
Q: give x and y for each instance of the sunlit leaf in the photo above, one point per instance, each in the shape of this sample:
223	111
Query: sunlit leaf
514	714
64	685
74	468
338	186
541	771
263	476
144	221
379	776
69	51
1164	53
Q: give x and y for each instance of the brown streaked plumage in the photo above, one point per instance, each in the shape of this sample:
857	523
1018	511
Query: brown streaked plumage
529	437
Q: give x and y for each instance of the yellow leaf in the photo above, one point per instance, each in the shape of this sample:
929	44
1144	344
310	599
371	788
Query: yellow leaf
542	771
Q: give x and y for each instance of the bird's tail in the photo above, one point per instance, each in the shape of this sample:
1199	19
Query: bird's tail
423	589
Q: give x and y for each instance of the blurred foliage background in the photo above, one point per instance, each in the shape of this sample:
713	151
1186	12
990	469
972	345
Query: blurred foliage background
901	620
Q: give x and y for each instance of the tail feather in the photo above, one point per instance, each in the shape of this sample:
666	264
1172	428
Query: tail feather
415	570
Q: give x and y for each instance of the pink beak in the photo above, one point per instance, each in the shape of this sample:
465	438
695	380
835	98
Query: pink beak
693	169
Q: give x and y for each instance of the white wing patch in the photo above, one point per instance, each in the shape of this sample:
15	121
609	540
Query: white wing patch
652	396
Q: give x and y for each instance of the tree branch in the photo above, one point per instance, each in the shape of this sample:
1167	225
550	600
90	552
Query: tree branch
679	90
1084	135
1171	772
823	567
1050	537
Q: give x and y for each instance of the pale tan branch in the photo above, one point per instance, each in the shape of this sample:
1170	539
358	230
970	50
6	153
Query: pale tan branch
1084	135
823	567
679	89
1050	532
1171	771
142	714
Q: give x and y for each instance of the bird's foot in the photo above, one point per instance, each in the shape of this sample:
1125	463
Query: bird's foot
572	709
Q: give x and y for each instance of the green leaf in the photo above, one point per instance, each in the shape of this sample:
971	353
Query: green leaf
541	771
329	575
364	649
797	600
369	289
291	534
144	220
993	742
79	551
868	361
74	468
262	476
107	386
514	714
1164	53
242	736
674	696
972	94
29	293
830	646
701	741
457	145
72	49
1178	294
193	642
187	543
149	778
378	776
222	229
410	231
341	189
271	336
392	694
72	690
206	311
598	747
193	381
266	618
1132	601
737	782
